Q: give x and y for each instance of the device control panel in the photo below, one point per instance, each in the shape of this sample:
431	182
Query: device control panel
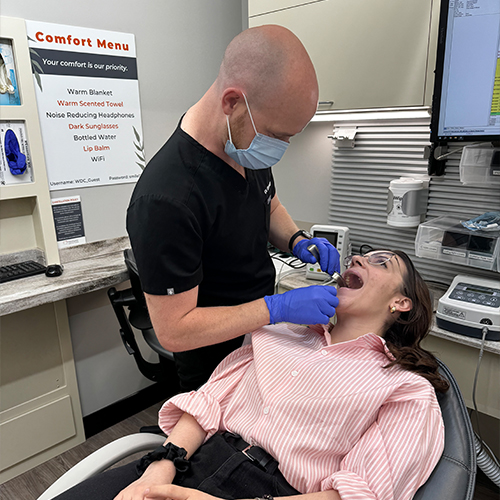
475	294
469	305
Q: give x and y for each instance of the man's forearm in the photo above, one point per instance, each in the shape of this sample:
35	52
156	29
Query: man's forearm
203	326
282	227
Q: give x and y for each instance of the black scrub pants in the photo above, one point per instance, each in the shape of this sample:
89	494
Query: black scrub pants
218	468
195	367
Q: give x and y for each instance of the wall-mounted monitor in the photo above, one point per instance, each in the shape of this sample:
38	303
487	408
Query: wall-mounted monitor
466	101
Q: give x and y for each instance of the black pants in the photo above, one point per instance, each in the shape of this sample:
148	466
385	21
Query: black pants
218	467
195	367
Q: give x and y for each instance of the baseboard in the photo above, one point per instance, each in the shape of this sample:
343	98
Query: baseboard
125	408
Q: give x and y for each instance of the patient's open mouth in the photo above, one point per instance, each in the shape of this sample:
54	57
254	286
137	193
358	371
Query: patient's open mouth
353	281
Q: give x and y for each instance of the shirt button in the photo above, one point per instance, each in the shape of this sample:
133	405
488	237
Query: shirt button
323	352
266	410
295	373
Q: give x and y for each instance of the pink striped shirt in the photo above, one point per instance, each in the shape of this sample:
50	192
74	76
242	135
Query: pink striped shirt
330	414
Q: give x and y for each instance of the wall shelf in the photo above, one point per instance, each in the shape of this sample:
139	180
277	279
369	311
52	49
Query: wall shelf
15	30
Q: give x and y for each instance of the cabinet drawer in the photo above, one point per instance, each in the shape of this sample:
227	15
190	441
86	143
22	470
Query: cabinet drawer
36	431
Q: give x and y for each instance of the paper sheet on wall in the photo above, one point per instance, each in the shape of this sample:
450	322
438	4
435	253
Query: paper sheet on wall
68	221
87	93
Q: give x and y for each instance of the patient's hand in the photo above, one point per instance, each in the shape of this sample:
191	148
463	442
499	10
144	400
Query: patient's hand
170	491
158	473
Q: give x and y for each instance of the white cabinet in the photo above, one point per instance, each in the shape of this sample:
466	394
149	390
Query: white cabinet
40	414
367	53
259	7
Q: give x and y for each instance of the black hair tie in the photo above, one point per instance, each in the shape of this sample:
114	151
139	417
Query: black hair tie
167	452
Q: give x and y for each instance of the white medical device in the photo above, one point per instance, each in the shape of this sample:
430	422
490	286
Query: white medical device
470	304
338	236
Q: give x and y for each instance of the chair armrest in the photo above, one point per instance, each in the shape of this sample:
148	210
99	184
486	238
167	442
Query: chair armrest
101	459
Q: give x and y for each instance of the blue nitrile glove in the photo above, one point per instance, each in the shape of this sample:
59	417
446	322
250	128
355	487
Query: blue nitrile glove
329	258
15	159
311	305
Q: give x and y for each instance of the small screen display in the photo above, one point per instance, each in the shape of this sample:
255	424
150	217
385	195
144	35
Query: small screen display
331	237
484	291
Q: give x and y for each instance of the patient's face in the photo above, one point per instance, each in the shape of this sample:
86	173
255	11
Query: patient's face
373	282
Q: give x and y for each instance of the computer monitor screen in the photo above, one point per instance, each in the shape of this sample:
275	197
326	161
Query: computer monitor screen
466	102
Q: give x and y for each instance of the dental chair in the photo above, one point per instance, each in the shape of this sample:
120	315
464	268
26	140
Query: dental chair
453	478
138	317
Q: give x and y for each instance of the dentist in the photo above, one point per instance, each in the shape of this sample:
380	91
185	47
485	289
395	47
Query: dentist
206	206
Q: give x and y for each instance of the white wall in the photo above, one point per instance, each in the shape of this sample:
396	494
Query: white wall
179	44
303	175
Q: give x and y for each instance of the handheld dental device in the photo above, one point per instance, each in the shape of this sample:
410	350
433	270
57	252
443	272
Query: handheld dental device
335	278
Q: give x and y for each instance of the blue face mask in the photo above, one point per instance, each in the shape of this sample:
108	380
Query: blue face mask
263	152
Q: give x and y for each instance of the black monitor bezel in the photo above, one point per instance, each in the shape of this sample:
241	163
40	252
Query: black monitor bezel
438	86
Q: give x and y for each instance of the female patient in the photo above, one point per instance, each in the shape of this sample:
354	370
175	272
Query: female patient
350	413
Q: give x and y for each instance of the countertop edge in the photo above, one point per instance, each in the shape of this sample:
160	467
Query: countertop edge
88	274
62	293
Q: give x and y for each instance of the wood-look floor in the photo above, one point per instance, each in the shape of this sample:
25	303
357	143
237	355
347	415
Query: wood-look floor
31	484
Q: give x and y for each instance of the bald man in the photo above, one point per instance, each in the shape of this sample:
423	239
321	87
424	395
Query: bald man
206	205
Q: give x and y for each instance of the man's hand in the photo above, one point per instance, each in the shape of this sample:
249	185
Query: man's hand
310	306
158	473
170	491
329	258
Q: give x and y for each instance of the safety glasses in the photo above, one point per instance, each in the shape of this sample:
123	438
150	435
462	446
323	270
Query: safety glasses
375	257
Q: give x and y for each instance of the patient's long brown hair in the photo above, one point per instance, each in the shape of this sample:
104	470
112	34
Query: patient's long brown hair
403	336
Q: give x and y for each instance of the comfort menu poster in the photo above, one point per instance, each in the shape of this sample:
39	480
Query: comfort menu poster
88	103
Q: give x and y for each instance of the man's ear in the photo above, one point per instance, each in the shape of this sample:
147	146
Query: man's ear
230	99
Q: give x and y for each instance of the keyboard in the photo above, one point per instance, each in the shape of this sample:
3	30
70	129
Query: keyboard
20	270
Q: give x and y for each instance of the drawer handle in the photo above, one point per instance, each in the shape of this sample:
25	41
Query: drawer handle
325	103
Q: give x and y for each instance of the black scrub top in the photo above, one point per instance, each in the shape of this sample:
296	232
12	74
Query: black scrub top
194	221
